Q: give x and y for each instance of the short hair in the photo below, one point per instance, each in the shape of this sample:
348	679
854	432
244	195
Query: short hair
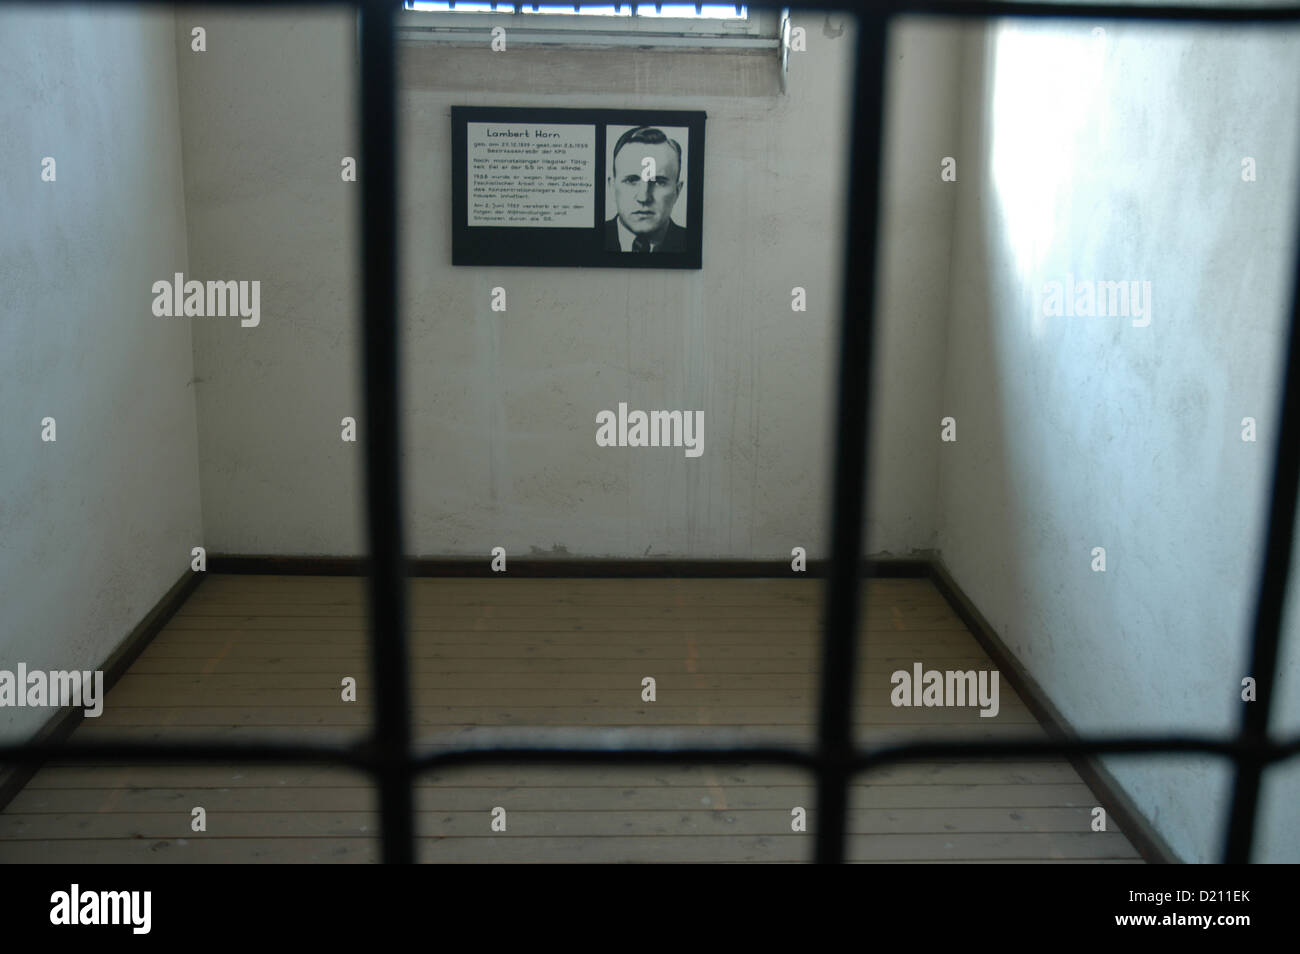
651	136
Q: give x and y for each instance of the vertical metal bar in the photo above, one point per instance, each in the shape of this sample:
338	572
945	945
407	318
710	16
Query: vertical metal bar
392	739
1272	586
857	330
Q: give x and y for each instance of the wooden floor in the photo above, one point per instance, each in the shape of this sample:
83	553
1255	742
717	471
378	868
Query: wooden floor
251	657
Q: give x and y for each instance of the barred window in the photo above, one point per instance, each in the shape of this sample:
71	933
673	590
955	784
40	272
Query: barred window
683	11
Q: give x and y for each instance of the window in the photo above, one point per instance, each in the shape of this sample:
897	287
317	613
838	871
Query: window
683	11
731	27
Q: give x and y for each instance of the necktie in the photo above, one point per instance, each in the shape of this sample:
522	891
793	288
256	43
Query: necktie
640	245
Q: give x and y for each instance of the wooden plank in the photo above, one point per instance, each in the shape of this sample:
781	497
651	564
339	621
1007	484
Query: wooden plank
354	666
931	796
145	686
191	851
467	736
611	614
504	585
671	691
487	650
787	848
684	624
310	819
114	778
635	713
810	638
625	849
812	589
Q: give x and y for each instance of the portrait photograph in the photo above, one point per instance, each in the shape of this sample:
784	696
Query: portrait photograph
645	189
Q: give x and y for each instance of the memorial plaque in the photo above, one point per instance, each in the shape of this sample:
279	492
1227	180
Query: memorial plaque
562	187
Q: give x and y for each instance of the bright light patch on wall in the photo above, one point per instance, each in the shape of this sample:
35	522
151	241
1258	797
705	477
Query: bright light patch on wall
676	11
686	11
1048	110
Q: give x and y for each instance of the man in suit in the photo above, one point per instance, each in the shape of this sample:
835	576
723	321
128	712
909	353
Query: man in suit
646	180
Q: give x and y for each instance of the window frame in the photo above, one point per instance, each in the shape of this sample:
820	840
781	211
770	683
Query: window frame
760	31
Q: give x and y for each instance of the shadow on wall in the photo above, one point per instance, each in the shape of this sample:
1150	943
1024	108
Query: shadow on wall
1099	504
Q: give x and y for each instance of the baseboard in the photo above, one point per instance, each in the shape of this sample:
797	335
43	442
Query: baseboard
63	721
1119	806
914	567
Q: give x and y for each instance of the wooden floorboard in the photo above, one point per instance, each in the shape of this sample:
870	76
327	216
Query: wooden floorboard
255	657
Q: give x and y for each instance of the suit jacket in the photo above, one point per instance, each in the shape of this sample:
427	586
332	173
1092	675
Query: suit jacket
674	238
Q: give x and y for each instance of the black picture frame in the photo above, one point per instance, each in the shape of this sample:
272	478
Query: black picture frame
574	246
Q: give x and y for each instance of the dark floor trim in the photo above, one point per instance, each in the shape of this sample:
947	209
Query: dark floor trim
1119	806
915	567
63	721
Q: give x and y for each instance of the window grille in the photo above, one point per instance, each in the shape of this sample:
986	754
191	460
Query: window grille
388	754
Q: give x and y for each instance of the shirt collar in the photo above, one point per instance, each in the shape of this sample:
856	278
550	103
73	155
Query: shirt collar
626	237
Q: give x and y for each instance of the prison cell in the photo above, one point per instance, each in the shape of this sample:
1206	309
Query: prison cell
388	754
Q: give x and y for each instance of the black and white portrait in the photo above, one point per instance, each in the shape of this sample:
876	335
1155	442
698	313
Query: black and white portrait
646	181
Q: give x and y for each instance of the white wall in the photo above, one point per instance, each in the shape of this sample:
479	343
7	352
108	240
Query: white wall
500	408
1119	157
96	526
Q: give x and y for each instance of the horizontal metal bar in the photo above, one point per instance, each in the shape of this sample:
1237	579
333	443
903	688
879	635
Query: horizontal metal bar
584	746
357	754
864	759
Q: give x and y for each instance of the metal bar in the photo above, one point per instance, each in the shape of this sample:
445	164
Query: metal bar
586	746
858	761
392	731
1272	585
857	336
288	753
